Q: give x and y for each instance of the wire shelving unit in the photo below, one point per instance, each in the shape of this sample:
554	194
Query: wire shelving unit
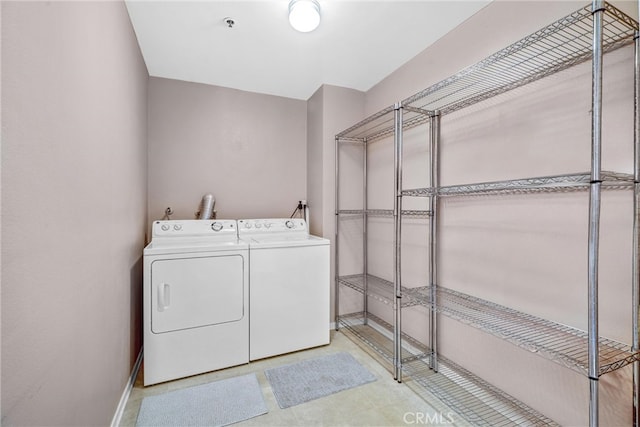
384	125
379	289
585	35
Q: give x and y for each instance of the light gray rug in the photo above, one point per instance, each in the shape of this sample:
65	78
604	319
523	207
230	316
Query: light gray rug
218	403
314	378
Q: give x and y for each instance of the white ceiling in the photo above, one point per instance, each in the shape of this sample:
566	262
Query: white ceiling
357	44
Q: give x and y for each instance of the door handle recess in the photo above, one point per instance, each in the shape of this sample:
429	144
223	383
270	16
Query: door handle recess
164	296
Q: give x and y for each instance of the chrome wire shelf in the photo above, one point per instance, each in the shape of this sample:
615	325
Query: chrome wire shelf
357	328
560	343
380	212
370	127
377	288
378	338
416	213
381	125
475	400
469	396
386	212
546	184
565	43
350	212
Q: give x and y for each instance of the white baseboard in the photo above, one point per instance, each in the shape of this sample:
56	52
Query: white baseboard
117	417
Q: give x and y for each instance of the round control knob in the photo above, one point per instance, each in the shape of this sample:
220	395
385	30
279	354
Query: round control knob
216	226
177	227
289	224
267	225
247	225
165	227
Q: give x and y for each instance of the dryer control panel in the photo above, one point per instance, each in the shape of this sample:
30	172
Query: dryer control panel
272	225
195	228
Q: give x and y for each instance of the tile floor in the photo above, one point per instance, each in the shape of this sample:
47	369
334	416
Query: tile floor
384	402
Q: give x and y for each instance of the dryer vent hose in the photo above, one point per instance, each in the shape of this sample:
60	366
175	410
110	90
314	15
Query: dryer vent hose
206	207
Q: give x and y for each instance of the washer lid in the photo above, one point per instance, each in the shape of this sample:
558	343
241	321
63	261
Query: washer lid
285	241
277	233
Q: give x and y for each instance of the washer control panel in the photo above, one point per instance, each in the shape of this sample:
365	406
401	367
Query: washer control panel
199	228
272	225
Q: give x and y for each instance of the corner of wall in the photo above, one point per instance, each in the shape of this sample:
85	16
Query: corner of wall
315	160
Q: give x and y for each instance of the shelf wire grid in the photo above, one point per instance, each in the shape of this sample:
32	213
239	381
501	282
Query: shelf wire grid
416	213
378	339
350	212
469	396
560	343
563	44
387	212
379	289
381	125
546	184
477	401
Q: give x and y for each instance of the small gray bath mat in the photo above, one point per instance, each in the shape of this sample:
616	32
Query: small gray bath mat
218	403
314	378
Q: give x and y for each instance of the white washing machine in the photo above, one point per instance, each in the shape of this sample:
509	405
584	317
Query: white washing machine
289	286
196	299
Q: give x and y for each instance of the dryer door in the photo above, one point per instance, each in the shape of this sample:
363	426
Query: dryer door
196	292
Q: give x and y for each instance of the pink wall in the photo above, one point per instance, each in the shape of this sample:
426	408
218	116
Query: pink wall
74	190
248	149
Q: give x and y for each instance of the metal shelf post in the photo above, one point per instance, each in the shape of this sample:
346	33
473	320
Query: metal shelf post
433	238
365	236
336	296
636	230
594	210
397	210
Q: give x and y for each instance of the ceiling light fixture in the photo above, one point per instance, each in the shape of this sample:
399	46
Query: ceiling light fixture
304	15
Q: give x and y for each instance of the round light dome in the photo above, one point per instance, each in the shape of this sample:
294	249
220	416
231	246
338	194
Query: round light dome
304	15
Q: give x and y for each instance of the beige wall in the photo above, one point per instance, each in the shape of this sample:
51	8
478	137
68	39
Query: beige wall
330	110
315	160
73	210
527	252
249	150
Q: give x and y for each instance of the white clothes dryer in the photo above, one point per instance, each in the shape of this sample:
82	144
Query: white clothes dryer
196	299
289	286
